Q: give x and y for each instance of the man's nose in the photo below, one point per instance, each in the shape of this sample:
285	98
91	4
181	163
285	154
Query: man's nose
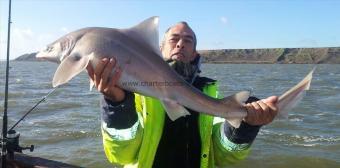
180	44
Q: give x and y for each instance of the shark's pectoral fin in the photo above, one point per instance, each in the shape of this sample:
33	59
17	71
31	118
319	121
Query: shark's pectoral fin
174	110
70	67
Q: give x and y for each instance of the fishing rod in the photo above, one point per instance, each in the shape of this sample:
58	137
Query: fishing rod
4	119
30	110
10	139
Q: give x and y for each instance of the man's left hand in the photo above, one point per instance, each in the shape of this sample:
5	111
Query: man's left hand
262	112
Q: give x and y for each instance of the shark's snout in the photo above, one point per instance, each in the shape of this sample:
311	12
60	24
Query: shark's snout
51	53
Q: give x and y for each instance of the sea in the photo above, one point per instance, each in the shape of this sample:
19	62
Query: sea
66	127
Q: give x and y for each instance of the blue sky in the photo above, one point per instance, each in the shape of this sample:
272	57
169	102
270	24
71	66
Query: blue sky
218	24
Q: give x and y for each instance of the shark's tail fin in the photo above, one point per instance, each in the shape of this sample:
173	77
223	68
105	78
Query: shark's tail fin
293	96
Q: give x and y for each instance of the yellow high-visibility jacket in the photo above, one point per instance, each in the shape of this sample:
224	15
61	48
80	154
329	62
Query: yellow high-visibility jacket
137	146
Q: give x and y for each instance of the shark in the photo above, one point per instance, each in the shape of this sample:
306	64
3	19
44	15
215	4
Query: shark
136	51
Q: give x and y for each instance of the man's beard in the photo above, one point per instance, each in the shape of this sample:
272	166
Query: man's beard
188	71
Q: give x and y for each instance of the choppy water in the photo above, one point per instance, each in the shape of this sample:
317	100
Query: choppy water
67	127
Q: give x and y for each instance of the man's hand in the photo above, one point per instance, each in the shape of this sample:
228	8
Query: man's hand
262	112
102	80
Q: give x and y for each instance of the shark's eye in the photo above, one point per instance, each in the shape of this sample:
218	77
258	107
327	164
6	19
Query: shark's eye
49	48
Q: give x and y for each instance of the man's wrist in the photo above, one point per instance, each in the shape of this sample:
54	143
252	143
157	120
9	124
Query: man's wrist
114	100
244	134
119	115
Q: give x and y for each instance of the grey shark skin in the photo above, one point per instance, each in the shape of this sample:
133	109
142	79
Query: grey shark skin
138	55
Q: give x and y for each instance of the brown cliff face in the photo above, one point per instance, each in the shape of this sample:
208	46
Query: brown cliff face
27	57
259	56
275	55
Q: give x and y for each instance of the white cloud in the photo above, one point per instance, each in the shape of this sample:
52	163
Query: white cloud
23	33
218	44
23	41
224	20
64	30
307	43
26	40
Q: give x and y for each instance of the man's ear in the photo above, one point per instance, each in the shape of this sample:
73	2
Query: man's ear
194	55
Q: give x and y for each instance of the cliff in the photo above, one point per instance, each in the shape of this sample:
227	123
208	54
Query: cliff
27	57
259	56
274	55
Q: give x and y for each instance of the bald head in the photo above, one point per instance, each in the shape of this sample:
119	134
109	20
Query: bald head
184	25
179	43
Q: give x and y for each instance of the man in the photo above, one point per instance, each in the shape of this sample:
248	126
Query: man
137	132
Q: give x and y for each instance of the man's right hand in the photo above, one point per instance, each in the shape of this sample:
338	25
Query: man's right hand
104	82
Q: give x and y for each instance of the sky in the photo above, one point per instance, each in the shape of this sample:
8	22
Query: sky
218	24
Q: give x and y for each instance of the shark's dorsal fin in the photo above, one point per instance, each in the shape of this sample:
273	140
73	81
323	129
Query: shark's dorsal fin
146	33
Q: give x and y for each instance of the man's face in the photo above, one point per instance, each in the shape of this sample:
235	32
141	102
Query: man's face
179	44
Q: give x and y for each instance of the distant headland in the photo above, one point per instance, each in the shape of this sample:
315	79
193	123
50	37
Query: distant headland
330	55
